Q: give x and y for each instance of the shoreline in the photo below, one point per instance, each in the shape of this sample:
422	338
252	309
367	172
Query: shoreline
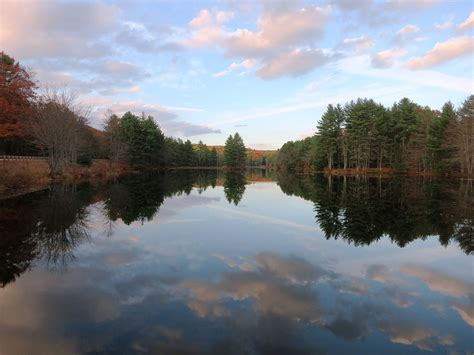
21	177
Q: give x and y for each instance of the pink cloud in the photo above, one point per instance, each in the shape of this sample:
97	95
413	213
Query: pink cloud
294	63
385	59
443	52
468	23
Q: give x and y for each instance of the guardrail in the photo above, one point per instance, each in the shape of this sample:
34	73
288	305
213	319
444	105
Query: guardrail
20	157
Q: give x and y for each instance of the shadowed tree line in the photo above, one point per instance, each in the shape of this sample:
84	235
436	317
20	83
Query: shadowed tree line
364	134
45	225
49	225
363	210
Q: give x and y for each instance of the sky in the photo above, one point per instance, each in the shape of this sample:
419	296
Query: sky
265	69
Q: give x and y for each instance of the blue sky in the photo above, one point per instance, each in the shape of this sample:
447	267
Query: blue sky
265	69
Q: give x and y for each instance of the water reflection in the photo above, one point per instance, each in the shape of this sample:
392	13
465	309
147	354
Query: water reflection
363	210
234	186
46	225
166	263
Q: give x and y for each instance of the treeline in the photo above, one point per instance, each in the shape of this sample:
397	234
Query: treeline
364	135
51	224
54	124
140	140
362	210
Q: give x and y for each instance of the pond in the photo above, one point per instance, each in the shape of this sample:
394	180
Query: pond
231	263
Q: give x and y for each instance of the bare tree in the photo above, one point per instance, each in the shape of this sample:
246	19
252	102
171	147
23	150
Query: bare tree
56	127
460	137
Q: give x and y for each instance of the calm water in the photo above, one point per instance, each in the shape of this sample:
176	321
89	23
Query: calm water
201	262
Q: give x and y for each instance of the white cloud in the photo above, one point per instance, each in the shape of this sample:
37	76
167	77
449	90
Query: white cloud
166	116
443	52
437	281
468	23
204	18
411	4
224	16
361	65
406	34
134	89
360	43
445	25
276	43
408	29
277	30
295	63
245	64
386	59
56	29
466	311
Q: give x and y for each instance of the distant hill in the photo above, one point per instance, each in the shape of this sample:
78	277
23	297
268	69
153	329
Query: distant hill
253	154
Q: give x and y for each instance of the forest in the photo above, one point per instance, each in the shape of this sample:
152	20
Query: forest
363	135
359	136
53	123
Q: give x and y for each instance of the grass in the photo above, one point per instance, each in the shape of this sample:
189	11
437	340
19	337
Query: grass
22	176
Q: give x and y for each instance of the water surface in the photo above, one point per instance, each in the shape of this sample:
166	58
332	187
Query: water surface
208	262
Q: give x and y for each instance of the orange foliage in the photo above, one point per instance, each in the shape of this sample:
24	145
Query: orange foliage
16	95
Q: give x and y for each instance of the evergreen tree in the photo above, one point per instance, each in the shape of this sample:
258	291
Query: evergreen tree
144	139
329	131
188	155
213	159
235	153
202	154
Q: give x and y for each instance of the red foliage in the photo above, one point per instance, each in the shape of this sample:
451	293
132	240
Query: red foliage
16	96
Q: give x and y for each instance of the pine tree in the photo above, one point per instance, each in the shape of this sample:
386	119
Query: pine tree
235	153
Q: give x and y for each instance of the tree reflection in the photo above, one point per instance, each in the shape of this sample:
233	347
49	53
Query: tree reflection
139	197
234	186
63	223
363	210
47	225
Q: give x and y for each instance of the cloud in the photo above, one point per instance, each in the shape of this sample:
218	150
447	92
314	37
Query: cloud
362	66
408	29
277	30
381	273
444	25
57	29
466	311
120	69
281	44
148	38
295	63
468	23
350	5
402	5
360	43
280	286
438	281
406	34
134	89
207	28
166	117
407	333
442	52
245	64
385	59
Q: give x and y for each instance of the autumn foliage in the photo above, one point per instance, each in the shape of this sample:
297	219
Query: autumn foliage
17	93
